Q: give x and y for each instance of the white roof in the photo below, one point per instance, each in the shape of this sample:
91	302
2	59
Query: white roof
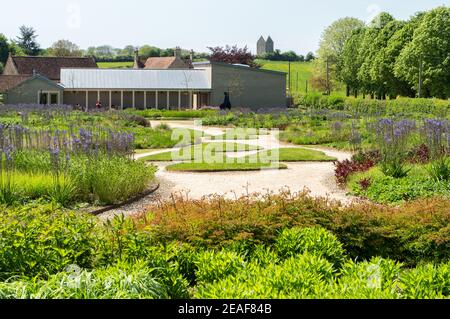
135	79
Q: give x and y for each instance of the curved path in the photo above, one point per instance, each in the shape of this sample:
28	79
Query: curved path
318	177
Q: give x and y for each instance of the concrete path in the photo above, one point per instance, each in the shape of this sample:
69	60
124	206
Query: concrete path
317	177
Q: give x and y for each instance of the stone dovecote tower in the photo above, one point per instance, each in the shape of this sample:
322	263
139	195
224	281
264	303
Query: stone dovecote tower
261	46
269	45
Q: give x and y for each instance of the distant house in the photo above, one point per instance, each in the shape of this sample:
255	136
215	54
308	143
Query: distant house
36	79
160	83
162	63
50	67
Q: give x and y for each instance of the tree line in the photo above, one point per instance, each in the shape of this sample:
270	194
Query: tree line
26	44
292	56
388	57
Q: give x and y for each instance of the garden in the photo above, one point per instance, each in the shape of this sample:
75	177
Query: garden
391	243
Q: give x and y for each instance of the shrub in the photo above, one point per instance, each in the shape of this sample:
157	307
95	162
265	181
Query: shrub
110	180
374	279
426	282
360	162
399	106
413	232
122	281
439	170
37	241
213	266
386	189
137	120
300	277
315	241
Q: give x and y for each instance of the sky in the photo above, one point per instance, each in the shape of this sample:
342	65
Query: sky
194	24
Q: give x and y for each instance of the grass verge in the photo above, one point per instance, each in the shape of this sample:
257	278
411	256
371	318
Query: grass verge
206	150
223	167
293	155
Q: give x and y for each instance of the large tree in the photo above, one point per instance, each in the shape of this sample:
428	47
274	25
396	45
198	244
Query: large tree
330	51
370	46
128	51
148	51
27	41
8	47
232	55
349	63
64	48
4	48
427	56
381	72
335	36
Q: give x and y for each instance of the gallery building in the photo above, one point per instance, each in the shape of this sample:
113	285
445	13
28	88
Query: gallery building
159	83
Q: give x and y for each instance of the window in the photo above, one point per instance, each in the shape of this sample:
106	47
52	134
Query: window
43	98
46	98
54	98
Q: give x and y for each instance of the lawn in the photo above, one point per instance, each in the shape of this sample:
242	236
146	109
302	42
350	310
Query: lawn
300	73
189	153
115	65
223	167
293	155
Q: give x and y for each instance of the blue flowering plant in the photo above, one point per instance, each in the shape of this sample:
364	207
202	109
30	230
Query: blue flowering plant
393	139
436	135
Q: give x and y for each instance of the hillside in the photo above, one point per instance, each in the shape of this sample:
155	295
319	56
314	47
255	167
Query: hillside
303	70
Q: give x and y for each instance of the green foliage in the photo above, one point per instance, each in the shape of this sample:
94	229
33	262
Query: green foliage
439	170
213	266
387	189
301	277
169	114
316	241
122	281
37	241
412	232
426	282
429	47
110	180
370	107
389	56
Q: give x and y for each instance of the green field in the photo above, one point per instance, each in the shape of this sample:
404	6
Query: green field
115	65
300	73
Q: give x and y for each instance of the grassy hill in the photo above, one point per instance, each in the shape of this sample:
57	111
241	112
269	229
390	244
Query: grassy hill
300	71
114	65
304	70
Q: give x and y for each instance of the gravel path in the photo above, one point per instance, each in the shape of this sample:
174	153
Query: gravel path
317	177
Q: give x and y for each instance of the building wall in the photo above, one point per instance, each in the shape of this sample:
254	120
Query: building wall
261	47
248	88
28	92
270	46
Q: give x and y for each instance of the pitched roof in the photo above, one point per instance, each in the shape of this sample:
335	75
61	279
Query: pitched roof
128	79
159	63
50	67
8	82
165	63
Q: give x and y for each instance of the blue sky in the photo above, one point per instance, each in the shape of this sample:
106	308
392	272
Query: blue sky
194	24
